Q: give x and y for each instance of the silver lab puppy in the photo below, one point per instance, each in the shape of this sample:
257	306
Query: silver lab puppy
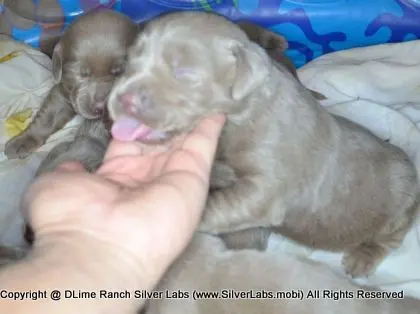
88	58
290	165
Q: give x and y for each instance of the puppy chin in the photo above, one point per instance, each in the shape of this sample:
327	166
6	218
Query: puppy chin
127	128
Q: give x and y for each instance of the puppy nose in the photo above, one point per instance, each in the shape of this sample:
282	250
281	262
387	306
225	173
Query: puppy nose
98	107
135	103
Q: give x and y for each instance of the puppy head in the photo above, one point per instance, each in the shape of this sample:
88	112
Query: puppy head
182	67
88	58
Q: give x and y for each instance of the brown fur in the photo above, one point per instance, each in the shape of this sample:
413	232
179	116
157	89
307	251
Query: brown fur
86	61
275	45
298	170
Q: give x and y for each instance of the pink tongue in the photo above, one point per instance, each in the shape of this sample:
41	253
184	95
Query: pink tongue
129	129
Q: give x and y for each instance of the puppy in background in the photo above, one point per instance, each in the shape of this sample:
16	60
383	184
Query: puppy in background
90	55
207	266
285	163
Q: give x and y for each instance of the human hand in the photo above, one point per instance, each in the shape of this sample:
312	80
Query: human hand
142	209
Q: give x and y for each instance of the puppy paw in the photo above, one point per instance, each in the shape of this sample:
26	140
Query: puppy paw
21	146
363	259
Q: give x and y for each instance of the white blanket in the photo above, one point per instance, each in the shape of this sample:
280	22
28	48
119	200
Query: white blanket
378	87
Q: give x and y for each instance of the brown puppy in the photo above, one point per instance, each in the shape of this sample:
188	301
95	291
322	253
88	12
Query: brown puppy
290	165
251	282
86	61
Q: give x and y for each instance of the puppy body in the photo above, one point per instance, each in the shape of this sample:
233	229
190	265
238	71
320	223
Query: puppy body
206	266
291	166
87	59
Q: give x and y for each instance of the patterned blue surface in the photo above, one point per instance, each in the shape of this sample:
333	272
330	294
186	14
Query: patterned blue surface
313	27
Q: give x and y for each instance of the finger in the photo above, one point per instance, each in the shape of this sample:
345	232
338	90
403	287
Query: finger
118	148
130	157
187	170
132	165
70	166
204	139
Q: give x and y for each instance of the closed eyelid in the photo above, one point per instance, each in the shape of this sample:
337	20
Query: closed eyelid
182	72
179	69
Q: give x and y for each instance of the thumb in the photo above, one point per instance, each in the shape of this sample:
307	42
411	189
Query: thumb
70	166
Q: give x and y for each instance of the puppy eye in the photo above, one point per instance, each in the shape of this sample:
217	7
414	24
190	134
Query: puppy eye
184	73
85	72
118	70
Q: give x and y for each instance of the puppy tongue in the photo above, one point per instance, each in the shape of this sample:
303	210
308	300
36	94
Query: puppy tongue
129	129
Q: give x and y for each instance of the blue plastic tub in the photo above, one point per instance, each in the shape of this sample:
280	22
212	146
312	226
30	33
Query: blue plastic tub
313	27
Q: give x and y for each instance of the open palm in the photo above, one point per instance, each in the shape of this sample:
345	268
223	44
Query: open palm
146	206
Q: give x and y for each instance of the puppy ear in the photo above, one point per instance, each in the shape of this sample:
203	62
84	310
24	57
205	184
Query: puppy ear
269	40
273	41
252	69
57	62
